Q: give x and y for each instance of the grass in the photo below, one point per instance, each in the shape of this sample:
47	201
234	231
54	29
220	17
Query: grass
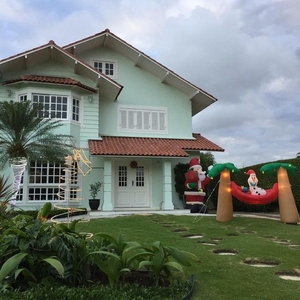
220	276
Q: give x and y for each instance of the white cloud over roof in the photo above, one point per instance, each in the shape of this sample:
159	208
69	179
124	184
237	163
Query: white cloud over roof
245	53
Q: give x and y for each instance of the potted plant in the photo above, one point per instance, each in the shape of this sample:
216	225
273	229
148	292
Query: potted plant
94	190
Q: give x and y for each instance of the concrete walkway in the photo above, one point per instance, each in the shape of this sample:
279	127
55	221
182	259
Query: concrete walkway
175	212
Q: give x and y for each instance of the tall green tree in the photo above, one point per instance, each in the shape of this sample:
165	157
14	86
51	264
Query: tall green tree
25	135
207	159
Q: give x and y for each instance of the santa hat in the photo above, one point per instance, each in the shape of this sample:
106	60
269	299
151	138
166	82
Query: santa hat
250	172
194	163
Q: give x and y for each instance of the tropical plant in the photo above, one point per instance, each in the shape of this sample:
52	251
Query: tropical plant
164	260
26	135
25	254
118	257
95	189
5	193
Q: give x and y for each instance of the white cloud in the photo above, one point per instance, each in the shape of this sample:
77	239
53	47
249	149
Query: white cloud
246	53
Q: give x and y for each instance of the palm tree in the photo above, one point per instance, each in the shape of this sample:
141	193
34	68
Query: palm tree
287	206
25	135
225	206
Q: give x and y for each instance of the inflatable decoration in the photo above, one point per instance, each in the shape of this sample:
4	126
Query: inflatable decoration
252	182
254	194
269	196
195	183
287	207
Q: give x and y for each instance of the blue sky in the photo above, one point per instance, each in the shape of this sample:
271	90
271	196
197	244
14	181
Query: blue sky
245	53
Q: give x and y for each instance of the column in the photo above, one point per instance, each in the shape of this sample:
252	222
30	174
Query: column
107	186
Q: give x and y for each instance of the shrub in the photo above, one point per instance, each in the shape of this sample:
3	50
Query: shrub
49	291
32	250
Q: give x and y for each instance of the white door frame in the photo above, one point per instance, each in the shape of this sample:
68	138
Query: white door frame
136	192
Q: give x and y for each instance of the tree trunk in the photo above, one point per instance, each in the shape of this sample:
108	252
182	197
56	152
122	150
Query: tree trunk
225	206
287	206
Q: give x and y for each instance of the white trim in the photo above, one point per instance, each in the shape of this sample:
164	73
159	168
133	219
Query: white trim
138	118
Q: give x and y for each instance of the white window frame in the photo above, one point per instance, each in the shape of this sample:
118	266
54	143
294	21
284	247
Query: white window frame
76	109
73	114
23	97
105	71
143	119
55	105
44	181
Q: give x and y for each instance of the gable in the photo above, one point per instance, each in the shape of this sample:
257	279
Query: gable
200	99
51	52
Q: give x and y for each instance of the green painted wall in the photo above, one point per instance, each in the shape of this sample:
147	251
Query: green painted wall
143	89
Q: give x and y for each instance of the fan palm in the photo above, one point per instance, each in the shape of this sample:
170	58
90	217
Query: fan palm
25	135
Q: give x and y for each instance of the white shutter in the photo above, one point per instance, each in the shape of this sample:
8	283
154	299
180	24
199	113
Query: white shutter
162	125
139	120
154	116
130	119
123	119
146	120
143	119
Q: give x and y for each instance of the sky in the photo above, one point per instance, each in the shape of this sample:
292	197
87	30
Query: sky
244	53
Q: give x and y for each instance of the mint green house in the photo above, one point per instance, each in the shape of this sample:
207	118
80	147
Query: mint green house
130	116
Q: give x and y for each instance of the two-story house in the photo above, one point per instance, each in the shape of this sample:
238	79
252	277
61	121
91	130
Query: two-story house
131	116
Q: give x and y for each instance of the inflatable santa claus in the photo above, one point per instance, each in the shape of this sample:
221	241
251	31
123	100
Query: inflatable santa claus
195	183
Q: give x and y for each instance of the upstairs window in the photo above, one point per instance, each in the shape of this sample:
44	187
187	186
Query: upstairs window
106	67
75	110
143	119
23	98
55	107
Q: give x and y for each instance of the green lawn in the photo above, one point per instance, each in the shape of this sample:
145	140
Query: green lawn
220	276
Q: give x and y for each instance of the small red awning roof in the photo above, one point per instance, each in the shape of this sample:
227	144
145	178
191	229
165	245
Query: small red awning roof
50	79
140	146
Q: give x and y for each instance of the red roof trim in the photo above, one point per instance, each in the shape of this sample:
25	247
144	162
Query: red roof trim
138	146
50	79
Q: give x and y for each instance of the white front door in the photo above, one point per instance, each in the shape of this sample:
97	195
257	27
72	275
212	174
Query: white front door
132	185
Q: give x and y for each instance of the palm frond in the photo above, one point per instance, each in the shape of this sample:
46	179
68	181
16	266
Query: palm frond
25	133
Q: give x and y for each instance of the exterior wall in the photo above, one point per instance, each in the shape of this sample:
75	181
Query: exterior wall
88	127
101	117
143	89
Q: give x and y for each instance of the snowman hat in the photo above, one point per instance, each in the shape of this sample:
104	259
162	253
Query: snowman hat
250	172
195	163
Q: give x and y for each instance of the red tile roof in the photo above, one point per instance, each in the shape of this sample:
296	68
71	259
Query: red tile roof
140	146
50	79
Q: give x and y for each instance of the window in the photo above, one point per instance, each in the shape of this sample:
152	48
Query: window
23	98
75	110
54	106
140	176
47	182
122	176
143	119
106	67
